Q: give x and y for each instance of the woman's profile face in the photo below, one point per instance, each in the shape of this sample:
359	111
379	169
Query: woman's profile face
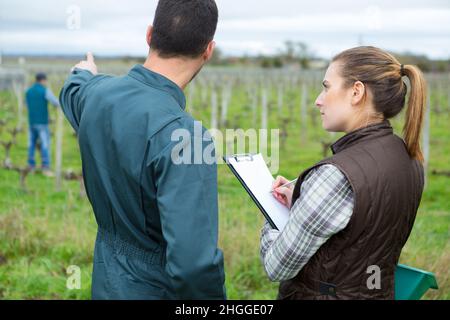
334	102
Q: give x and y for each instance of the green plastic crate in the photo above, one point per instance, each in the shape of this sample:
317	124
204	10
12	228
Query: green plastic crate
412	283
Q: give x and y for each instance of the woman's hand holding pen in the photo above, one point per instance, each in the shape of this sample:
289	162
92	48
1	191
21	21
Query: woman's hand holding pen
282	190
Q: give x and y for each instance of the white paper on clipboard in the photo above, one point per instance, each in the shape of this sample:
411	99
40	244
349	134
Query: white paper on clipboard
258	180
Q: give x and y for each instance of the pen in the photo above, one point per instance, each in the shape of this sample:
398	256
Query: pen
286	184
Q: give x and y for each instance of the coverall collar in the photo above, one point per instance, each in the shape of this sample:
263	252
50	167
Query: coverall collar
156	80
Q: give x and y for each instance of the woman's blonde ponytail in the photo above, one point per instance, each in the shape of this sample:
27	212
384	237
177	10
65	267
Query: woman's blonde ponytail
415	110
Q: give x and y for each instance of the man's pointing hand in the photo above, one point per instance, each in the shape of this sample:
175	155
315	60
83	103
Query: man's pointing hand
87	64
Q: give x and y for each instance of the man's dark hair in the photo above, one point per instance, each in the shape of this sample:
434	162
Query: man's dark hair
183	27
41	76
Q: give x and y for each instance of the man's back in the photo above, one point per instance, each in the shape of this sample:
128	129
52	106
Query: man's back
157	220
37	104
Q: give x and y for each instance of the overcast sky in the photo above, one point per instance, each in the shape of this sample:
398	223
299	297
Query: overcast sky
245	26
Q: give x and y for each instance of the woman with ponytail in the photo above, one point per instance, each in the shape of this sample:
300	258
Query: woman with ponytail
352	213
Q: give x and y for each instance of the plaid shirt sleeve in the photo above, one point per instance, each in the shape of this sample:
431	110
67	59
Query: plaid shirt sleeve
323	209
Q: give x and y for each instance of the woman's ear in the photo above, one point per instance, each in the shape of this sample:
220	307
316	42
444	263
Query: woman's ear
358	93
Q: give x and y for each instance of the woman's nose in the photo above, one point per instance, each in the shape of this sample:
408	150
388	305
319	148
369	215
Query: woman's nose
319	101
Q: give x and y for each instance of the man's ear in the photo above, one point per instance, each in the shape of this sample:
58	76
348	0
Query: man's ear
148	37
358	93
209	50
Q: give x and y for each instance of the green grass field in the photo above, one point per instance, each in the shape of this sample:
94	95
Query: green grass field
42	231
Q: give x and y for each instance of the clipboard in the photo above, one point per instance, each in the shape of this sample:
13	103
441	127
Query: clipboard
257	181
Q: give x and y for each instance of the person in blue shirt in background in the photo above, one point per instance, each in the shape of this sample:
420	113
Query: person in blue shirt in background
37	98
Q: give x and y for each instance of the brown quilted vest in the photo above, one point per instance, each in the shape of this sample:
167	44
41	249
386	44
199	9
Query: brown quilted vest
387	187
